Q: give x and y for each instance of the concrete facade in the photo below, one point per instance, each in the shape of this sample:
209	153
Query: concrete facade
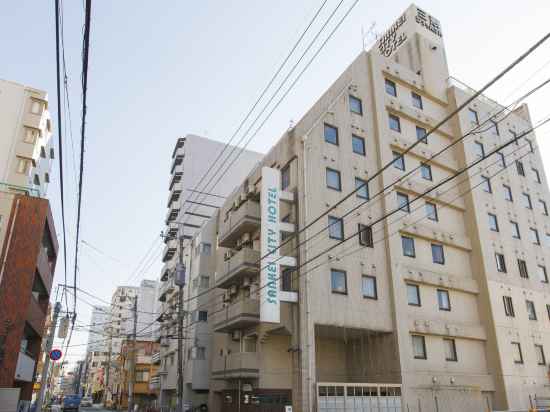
188	212
420	315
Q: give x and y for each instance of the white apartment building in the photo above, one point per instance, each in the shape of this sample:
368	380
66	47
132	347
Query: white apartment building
100	321
189	208
443	305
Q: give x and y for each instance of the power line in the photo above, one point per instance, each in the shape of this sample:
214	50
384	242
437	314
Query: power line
60	141
285	93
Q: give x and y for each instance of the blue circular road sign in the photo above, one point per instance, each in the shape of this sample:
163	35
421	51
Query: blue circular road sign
55	354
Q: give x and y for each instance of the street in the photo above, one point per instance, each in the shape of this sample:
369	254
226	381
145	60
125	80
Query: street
95	408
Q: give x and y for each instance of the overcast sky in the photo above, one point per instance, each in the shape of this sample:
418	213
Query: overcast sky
159	70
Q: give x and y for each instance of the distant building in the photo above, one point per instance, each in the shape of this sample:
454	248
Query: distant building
28	241
101	317
189	208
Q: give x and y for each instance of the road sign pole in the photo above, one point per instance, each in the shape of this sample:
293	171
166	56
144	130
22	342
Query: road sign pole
46	366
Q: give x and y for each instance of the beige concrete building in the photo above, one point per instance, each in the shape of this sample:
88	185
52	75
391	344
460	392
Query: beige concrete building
445	305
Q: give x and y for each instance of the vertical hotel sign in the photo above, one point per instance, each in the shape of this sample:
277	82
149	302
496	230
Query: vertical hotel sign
270	237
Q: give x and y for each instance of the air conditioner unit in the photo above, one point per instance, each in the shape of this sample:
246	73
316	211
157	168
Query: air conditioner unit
236	335
233	290
246	281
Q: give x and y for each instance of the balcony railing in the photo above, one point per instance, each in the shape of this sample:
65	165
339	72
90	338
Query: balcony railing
243	263
244	219
155	358
21	190
238	315
236	366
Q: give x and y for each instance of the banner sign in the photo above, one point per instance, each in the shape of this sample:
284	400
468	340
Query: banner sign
270	236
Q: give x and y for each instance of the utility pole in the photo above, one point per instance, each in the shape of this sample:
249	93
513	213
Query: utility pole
108	370
47	350
132	371
180	282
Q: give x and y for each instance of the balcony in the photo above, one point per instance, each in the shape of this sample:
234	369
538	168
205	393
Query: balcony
236	366
155	358
36	315
244	263
174	195
176	178
238	315
178	160
24	371
172	213
179	145
154	383
170	250
245	219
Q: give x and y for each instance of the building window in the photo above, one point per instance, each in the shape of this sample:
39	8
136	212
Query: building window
47	177
23	166
486	184
355	105
403	202
508	193
362	188
494	127
515	230
30	135
501	160
472	115
539	352
493	222
543	276
431	211
42	152
417	100
421	134
450	350
531	312
286	280
335	228
391	89
36	107
522	266
437	254
368	285
358	144
395	123
285	177
534	236
408	246
419	347
501	263
543	207
365	235
413	295
508	306
479	150
537	175
527	201
520	169
333	179
443	299
142	376
338	281
331	134
52	153
426	171
398	161
517	356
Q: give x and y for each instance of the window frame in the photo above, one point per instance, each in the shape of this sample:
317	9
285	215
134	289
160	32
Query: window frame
537	175
361	184
544	278
517	345
508	193
375	286
522	268
417	100
398	160
422	339
345	276
530	306
338	223
396	122
435	215
454	357
520	169
367	229
534	232
516	234
411	286
331	127
426	167
472	112
435	246
445	292
508	306
500	262
355	99
544	207
424	138
539	350
354	138
411	239
285	177
479	147
493	222
527	200
405	207
486	185
337	173
392	91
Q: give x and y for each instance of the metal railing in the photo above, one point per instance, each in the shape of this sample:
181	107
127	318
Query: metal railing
15	189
